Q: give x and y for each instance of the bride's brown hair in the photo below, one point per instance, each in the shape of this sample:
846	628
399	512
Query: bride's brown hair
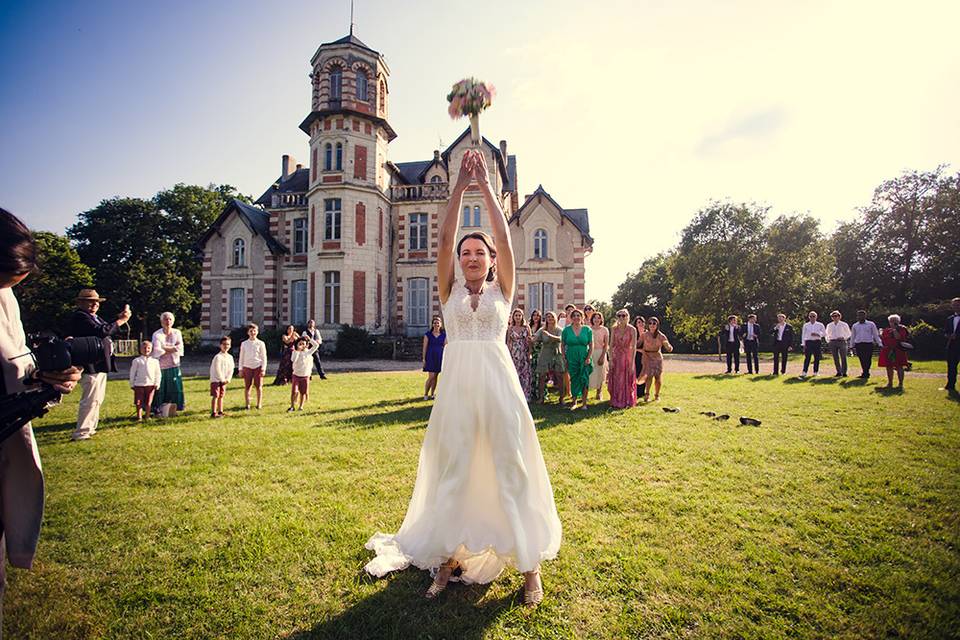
488	243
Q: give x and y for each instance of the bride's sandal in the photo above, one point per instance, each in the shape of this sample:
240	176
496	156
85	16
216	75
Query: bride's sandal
533	597
442	579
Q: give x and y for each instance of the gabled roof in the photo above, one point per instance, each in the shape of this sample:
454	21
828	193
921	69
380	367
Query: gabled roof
349	39
412	172
255	218
496	154
297	182
579	217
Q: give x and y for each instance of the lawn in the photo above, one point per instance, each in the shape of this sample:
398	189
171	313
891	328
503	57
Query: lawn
838	517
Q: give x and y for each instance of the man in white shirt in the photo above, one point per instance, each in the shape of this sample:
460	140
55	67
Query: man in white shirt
838	340
864	335
751	343
813	333
951	331
314	334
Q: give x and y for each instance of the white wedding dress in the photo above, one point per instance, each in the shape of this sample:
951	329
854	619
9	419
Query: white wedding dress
482	494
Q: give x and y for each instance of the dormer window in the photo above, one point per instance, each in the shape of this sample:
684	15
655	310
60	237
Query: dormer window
540	244
239	253
336	83
435	179
362	86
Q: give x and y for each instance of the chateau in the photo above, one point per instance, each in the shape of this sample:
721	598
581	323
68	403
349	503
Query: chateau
352	237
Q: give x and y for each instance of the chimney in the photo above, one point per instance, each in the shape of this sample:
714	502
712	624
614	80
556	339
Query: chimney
436	156
285	167
299	166
503	150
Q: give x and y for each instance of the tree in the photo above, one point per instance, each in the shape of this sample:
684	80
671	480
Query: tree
648	290
47	296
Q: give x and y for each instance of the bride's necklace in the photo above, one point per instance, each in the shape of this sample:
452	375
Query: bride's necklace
474	296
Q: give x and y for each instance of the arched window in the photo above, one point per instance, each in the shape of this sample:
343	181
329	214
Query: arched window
336	83
540	244
476	216
239	253
328	157
339	156
466	216
362	86
435	179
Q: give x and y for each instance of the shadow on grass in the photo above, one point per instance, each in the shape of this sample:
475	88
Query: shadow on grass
400	611
829	380
414	416
855	382
763	378
375	405
888	391
717	376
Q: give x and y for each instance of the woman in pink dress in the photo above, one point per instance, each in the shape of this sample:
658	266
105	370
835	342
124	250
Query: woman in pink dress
653	343
518	342
622	380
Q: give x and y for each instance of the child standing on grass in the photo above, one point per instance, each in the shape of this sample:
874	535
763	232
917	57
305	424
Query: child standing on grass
302	368
144	379
253	364
221	373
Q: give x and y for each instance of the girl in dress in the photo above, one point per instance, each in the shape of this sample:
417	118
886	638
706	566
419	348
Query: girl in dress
652	341
550	360
482	498
622	384
640	324
518	341
285	368
892	354
599	355
577	347
433	343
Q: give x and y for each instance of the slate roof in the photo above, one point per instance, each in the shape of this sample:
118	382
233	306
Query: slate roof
349	39
298	182
255	218
579	217
496	154
412	172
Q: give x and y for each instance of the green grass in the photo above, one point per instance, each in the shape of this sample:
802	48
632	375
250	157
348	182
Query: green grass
928	366
838	517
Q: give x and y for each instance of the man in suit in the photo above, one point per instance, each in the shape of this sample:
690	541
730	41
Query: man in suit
730	337
951	331
751	343
782	335
93	381
314	334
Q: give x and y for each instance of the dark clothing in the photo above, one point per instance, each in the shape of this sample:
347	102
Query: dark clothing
751	348
434	360
865	354
812	348
315	336
953	350
89	325
731	348
781	347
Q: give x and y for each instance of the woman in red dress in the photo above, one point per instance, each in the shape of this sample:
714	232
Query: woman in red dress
892	354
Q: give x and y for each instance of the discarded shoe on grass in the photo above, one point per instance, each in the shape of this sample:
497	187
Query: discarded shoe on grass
749	422
709	414
722	416
671	409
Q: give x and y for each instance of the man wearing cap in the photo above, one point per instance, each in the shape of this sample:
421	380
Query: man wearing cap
93	382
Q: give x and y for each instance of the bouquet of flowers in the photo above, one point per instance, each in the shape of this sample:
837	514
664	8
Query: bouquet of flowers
468	98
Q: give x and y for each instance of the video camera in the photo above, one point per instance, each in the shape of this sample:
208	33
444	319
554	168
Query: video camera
50	353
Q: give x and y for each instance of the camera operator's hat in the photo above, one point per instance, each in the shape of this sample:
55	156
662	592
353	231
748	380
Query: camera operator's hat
89	294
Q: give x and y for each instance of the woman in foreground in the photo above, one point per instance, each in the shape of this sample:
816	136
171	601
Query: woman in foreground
482	498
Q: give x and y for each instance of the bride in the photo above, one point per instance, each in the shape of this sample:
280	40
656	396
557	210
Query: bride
482	498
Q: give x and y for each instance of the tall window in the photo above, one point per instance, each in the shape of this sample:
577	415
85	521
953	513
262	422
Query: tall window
417	302
383	96
436	179
336	83
418	232
239	253
331	219
540	244
361	86
476	216
300	236
331	297
540	296
328	157
298	302
466	216
339	156
238	308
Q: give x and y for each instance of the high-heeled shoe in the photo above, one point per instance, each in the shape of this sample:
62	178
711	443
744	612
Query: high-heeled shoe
437	587
533	597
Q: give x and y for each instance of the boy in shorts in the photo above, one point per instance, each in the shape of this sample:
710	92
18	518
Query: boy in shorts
253	364
302	368
221	373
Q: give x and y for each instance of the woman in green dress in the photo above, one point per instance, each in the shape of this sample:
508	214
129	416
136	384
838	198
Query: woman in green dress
550	360
577	341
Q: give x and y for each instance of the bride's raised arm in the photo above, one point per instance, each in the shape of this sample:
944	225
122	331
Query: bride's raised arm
498	222
449	226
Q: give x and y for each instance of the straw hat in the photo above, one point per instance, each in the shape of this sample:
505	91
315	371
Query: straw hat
89	294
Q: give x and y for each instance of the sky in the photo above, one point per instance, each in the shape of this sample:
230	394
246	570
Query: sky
640	111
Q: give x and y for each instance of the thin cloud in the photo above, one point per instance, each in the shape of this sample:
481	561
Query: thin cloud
759	125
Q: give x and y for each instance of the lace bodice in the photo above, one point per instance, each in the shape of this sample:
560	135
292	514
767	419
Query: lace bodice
488	322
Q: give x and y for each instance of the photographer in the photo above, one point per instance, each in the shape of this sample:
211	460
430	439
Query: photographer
21	479
93	383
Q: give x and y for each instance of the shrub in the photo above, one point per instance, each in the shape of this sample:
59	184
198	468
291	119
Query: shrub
927	340
354	342
191	339
271	338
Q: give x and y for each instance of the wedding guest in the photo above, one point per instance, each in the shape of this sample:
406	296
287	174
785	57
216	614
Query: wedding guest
565	316
577	345
640	325
93	381
550	361
751	343
221	373
653	342
314	334
432	356
812	337
864	334
144	379
730	337
622	382
599	354
782	344
588	312
893	354
253	364
518	343
285	368
561	320
536	322
838	341
302	366
168	349
951	331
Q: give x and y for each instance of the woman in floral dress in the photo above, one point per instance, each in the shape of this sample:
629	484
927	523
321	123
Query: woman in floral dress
622	382
518	342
